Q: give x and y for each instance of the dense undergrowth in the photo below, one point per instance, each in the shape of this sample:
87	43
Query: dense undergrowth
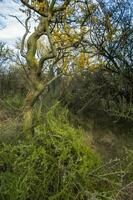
56	164
90	71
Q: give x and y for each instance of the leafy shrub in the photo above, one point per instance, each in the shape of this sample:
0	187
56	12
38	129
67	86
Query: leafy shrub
57	165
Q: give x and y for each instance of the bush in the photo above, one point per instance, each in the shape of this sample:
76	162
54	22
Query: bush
57	165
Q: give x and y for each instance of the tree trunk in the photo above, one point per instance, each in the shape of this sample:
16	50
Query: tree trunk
28	121
28	112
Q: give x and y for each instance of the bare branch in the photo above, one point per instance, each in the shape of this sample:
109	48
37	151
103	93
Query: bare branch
14	16
25	35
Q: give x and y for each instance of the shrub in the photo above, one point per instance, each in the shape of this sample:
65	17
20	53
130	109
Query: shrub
57	165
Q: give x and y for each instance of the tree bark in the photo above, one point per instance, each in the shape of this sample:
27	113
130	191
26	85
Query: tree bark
28	112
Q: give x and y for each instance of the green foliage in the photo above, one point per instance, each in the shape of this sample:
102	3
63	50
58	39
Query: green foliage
13	101
129	165
55	164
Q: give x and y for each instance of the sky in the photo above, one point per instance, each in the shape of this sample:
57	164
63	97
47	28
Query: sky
10	28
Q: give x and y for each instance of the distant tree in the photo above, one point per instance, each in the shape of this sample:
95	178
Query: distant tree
5	55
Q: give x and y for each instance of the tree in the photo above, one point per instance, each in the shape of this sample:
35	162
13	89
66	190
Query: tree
109	42
111	33
61	27
5	57
5	54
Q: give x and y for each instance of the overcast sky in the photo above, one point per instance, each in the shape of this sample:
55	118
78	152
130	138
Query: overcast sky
10	28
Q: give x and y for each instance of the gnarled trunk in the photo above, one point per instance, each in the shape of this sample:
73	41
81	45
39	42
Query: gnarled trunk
28	112
28	121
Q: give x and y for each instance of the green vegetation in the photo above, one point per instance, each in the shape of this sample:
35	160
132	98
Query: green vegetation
57	164
66	103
